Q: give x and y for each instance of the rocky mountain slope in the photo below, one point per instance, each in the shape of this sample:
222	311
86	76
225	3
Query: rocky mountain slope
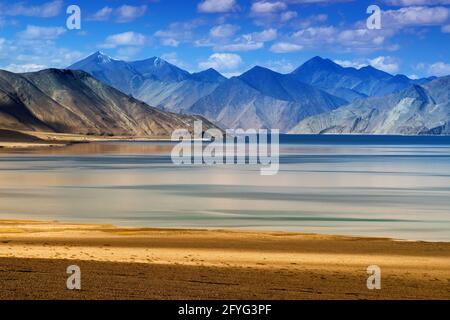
154	81
351	83
261	98
67	101
415	110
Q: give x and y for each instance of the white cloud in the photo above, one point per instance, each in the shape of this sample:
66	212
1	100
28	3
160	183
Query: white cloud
217	6
178	32
21	68
416	2
169	42
316	1
288	15
446	28
281	66
222	62
128	13
32	52
341	40
266	7
249	46
41	33
223	31
436	69
172	57
122	14
351	64
386	64
124	39
415	16
285	47
45	10
265	35
249	42
102	15
127	53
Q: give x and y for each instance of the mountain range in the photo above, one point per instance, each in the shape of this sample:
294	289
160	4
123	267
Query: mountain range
413	111
261	98
154	81
318	97
67	101
350	83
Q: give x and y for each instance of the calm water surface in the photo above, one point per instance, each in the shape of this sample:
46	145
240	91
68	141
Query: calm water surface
338	186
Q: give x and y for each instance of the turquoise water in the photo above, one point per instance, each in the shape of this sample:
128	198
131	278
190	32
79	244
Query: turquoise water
325	185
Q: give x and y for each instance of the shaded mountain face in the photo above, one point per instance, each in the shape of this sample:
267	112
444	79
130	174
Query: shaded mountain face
261	98
415	110
67	101
351	83
116	73
154	80
158	69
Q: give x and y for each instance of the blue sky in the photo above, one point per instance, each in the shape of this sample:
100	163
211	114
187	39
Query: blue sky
230	35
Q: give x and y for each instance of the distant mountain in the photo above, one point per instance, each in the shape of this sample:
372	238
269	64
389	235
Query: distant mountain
351	83
261	98
67	101
154	81
159	69
415	110
116	73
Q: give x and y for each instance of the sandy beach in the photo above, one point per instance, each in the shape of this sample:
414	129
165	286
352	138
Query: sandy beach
138	263
11	139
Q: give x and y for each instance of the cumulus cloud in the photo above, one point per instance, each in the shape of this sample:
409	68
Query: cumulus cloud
222	62
217	6
351	64
41	33
385	63
281	66
285	47
172	57
178	32
129	38
21	68
169	42
266	12
416	2
316	1
436	69
265	35
288	15
122	14
265	7
415	16
249	42
128	13
223	31
102	15
45	10
36	52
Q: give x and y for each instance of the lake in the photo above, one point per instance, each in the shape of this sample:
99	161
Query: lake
351	185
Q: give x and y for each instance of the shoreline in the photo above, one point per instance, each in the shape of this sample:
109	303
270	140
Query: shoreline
11	139
152	263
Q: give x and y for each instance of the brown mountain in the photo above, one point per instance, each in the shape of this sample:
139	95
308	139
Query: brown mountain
66	101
